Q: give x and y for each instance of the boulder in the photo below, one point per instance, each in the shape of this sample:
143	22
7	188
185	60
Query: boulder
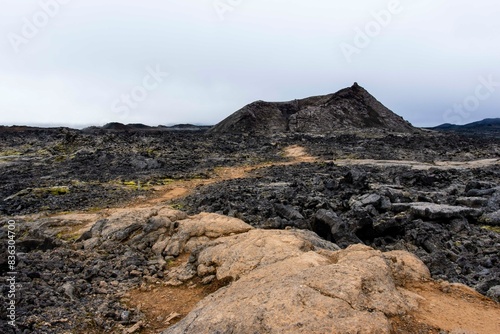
494	293
441	211
473	202
332	228
364	200
236	256
492	219
494	201
288	212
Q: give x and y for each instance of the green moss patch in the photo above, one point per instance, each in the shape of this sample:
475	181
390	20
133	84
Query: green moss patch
492	228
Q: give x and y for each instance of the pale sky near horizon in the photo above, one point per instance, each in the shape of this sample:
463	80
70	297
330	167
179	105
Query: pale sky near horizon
80	63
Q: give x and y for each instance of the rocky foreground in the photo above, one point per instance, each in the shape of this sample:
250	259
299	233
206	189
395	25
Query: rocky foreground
255	281
355	232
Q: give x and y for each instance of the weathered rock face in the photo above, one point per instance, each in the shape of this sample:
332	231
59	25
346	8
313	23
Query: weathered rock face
286	284
350	108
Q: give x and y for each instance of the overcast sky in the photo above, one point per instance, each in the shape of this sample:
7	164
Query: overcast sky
89	62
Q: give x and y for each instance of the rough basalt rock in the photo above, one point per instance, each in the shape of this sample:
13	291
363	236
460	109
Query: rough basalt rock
387	208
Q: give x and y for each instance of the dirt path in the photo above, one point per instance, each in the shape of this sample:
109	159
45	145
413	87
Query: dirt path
181	188
297	154
456	308
175	190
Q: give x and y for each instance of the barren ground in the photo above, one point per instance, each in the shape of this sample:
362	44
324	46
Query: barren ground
451	307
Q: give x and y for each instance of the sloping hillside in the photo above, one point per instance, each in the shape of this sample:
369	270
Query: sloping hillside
350	108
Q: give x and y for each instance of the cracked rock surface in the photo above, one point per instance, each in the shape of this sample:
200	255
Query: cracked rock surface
286	282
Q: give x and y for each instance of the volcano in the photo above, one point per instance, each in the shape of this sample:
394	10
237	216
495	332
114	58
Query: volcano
349	108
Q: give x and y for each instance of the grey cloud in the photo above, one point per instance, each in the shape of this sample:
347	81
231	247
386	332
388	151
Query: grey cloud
426	59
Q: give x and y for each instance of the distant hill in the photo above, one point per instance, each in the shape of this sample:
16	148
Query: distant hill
186	127
115	126
488	125
350	108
